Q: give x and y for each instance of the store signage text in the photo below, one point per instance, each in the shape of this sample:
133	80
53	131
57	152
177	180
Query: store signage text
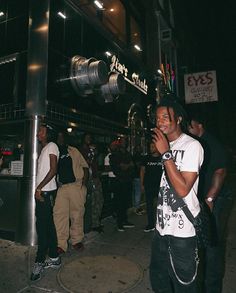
135	80
200	87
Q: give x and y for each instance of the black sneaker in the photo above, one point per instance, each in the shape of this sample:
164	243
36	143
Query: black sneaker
139	211
54	263
37	271
128	225
120	229
78	246
149	228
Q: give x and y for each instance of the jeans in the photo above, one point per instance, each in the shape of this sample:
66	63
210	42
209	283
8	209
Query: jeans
151	194
47	238
162	276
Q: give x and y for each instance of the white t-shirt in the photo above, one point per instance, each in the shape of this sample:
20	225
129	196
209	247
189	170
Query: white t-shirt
188	156
107	163
44	166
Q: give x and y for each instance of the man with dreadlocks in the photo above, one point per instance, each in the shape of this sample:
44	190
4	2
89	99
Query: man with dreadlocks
174	258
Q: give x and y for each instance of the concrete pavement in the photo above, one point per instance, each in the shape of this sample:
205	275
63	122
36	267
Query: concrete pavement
112	262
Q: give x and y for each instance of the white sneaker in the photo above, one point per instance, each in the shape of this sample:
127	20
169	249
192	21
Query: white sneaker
54	263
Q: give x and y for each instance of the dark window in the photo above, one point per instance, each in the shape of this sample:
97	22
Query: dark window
7	76
17	35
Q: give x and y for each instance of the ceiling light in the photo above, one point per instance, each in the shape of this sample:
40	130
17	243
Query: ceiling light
137	48
1	13
98	4
112	9
69	129
61	14
108	53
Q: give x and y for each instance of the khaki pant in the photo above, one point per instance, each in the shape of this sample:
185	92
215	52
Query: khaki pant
69	214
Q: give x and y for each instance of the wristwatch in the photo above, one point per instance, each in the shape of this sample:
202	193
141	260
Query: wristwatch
166	156
210	199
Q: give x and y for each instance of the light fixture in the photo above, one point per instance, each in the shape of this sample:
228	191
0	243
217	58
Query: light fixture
1	13
137	48
69	129
108	53
62	15
112	10
159	71
98	4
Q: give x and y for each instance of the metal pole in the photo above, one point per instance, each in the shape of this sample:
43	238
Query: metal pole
36	101
26	232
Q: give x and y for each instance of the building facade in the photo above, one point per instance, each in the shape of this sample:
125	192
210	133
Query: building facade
85	65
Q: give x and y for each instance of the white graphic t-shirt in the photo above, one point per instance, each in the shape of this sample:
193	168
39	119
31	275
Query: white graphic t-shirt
188	156
44	166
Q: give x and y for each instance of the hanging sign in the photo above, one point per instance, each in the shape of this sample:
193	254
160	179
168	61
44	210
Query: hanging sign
133	79
200	87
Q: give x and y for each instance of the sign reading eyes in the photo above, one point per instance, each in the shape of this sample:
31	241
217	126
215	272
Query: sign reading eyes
134	79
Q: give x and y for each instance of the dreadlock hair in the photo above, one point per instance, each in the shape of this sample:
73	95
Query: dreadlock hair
171	101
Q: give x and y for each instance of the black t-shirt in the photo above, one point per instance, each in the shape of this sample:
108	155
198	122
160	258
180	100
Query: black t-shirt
65	169
116	159
214	158
153	170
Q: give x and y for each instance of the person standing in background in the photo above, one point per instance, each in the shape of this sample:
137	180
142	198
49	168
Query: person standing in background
150	176
111	176
123	167
214	192
71	196
89	152
45	194
137	191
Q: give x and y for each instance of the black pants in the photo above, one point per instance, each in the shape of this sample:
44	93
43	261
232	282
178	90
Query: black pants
151	194
122	197
214	256
162	276
47	237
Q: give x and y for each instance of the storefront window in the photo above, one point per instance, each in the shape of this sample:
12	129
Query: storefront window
11	146
111	14
13	26
114	18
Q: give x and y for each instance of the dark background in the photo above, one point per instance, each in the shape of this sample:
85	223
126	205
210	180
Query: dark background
207	33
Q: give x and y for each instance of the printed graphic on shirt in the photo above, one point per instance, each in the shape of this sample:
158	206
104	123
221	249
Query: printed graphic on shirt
172	206
171	220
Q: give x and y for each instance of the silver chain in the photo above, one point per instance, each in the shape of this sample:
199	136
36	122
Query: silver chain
173	267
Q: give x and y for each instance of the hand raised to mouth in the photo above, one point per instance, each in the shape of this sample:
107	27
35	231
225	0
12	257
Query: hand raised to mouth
160	140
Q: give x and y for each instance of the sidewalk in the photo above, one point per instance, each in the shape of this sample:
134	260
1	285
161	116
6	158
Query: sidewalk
112	262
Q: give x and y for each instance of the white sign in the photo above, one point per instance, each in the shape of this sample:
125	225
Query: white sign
200	87
135	79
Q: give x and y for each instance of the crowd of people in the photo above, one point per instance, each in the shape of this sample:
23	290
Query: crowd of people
185	167
66	176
